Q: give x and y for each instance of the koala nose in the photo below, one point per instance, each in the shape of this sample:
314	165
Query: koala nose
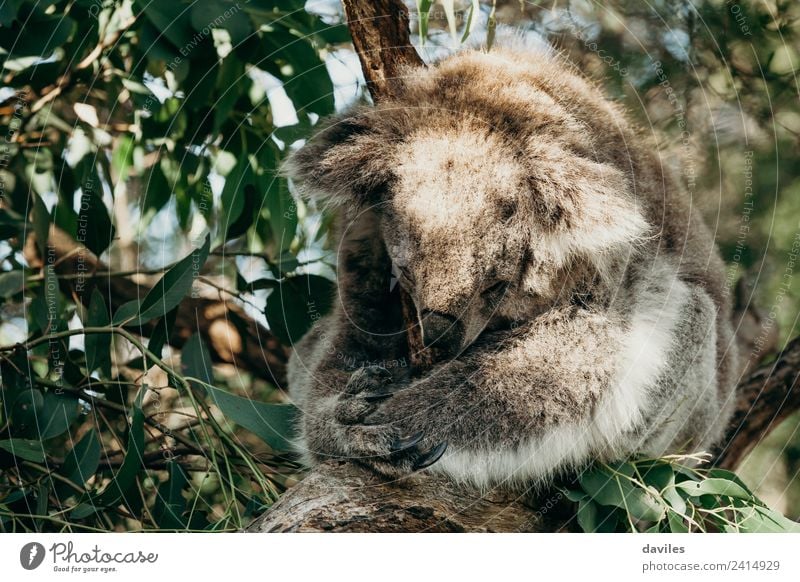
445	331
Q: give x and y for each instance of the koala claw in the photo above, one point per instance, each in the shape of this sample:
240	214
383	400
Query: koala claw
402	443
381	394
429	458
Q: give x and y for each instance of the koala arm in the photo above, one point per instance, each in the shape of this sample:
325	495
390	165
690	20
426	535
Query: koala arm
570	386
364	327
519	404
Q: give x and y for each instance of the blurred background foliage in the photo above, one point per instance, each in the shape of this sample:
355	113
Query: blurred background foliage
140	199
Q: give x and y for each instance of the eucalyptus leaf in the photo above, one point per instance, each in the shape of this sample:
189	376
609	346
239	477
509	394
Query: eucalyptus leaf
56	415
29	450
11	283
755	519
272	423
98	345
124	479
714	486
170	504
174	285
41	223
126	314
82	461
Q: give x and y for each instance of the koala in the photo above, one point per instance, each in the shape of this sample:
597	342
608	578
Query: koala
573	296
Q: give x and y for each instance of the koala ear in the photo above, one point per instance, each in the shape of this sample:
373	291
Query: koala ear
588	208
345	162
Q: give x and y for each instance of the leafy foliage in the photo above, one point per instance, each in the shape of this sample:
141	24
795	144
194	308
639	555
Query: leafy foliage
668	496
153	105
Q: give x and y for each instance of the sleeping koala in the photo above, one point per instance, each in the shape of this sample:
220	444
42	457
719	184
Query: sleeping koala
573	296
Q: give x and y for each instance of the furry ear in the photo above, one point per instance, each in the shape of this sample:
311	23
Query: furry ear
345	162
587	208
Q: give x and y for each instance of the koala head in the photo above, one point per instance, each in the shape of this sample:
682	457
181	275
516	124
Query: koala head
488	208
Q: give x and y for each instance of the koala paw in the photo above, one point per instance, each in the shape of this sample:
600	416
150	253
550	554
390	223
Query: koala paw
389	453
365	388
383	447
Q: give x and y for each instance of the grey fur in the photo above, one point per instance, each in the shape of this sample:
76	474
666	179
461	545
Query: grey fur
511	195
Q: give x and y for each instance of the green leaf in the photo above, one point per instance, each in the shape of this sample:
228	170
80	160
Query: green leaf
676	522
125	477
83	459
282	214
11	224
174	285
11	283
424	13
594	518
171	20
471	20
126	313
661	476
41	223
587	515
607	488
51	32
756	519
730	476
305	80
296	304
95	229
170	504
29	450
98	345
675	501
122	156
82	510
714	486
575	496
272	423
222	14
26	409
233	192
196	361
162	332
58	412
491	26
657	475
157	189
230	87
8	11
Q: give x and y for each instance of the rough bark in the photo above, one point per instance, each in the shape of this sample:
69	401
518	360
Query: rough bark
380	33
343	497
381	37
768	396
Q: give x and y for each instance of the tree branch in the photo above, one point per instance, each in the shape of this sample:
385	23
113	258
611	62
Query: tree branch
342	497
766	398
380	33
